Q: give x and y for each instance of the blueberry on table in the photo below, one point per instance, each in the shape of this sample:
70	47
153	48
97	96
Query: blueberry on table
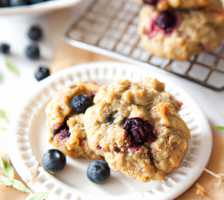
33	52
81	103
5	48
54	161
98	171
41	73
18	2
35	33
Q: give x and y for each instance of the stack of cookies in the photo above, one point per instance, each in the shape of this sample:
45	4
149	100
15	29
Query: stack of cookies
179	29
135	127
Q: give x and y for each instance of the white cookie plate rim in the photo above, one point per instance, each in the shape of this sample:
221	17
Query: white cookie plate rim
24	132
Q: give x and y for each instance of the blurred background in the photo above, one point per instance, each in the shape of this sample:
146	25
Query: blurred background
33	46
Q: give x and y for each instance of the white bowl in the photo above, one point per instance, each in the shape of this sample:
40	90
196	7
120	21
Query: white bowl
38	7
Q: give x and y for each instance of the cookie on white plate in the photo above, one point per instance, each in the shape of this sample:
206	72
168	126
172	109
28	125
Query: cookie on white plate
137	129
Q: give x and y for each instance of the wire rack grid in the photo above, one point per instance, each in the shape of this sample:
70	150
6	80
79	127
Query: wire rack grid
110	28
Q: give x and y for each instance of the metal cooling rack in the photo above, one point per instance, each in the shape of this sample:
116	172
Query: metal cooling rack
110	28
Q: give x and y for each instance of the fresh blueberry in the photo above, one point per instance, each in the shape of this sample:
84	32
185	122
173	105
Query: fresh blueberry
4	3
81	103
5	48
150	2
18	2
35	33
166	20
98	171
54	160
138	131
33	52
41	73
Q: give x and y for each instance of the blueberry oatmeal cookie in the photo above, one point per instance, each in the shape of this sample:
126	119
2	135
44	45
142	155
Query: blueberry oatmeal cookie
180	34
65	120
182	4
136	127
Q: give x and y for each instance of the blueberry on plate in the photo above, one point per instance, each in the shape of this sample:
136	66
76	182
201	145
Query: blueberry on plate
54	161
41	73
35	33
4	48
81	102
33	52
98	171
18	2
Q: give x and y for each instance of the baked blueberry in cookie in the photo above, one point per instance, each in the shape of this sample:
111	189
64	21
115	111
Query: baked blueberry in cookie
139	132
166	20
63	132
65	120
137	129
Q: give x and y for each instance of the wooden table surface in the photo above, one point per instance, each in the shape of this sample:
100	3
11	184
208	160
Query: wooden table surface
66	56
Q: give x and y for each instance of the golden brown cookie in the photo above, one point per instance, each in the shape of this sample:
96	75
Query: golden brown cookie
137	129
180	34
65	120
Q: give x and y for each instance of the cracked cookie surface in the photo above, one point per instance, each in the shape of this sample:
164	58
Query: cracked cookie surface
137	129
66	126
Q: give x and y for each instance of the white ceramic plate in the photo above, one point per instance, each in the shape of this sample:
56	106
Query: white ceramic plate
29	137
39	7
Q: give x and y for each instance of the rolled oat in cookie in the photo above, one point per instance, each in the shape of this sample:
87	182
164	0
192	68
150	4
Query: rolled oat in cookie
137	129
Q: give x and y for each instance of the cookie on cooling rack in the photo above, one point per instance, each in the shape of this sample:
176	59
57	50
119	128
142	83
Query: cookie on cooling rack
180	34
65	120
182	4
136	127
